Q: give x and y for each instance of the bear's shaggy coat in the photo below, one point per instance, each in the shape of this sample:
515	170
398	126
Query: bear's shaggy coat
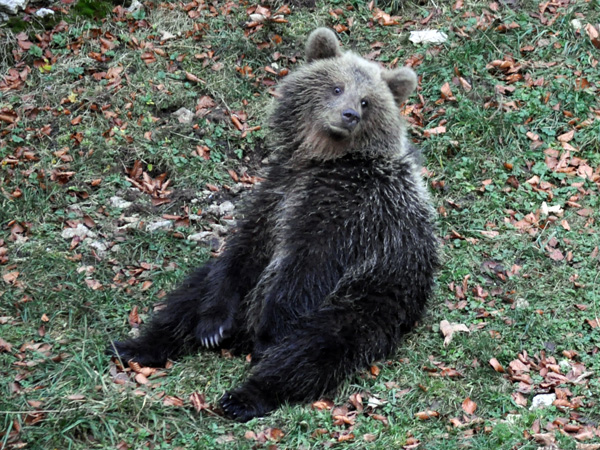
335	258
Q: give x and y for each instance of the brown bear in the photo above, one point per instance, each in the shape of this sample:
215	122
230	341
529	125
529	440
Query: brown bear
334	260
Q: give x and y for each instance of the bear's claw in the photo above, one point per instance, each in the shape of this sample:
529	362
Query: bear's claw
211	329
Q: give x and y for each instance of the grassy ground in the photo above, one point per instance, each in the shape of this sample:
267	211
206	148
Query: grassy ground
507	115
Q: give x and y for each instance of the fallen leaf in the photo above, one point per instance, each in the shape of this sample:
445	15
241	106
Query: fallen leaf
496	365
448	329
170	400
10	277
566	137
427	414
469	406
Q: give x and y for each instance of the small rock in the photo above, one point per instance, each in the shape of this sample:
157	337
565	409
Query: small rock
521	303
202	236
80	231
576	24
135	6
227	208
43	12
219	229
12	6
160	225
427	36
184	115
100	247
130	222
542	401
120	203
565	366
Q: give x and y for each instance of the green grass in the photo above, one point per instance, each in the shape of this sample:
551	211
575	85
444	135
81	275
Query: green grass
57	387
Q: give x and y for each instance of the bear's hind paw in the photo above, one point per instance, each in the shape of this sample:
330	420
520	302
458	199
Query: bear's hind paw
131	351
242	405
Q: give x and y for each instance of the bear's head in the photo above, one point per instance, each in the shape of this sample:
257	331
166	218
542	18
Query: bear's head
339	103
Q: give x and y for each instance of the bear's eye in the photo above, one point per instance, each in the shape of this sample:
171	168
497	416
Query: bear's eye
364	103
337	90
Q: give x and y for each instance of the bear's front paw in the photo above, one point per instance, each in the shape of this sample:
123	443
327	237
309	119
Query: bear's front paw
243	404
214	326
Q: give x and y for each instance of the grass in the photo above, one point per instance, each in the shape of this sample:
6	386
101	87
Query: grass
91	107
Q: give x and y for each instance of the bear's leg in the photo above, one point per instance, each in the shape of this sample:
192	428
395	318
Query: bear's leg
313	360
168	333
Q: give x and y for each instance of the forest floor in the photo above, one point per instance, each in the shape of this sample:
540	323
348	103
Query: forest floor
110	193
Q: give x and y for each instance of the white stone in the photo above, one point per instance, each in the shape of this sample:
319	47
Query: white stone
202	236
576	24
12	6
120	203
219	229
135	5
521	303
160	225
100	247
542	401
184	115
80	231
43	12
427	36
223	209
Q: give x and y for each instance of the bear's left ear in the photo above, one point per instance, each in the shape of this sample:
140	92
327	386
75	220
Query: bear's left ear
322	43
402	82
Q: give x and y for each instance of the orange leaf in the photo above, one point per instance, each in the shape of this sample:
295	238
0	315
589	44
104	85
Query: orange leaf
322	404
432	131
496	365
427	414
469	406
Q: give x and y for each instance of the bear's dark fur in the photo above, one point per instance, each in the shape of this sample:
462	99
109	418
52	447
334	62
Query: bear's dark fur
334	260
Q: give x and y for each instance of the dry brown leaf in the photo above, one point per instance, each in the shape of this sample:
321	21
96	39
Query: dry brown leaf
323	404
5	346
170	400
469	406
448	329
199	402
427	414
10	277
274	434
93	284
431	131
496	365
566	137
134	318
369	437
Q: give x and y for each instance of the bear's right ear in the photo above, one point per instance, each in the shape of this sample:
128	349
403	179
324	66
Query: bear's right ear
402	82
322	43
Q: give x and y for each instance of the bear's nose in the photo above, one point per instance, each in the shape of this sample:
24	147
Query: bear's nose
350	118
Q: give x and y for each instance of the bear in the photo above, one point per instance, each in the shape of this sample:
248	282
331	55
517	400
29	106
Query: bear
335	256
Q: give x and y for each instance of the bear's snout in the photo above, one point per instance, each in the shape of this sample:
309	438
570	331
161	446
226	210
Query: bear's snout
350	118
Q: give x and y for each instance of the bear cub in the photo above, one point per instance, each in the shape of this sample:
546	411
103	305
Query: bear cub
335	257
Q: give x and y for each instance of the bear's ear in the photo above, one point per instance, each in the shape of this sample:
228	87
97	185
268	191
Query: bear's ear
322	43
402	82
